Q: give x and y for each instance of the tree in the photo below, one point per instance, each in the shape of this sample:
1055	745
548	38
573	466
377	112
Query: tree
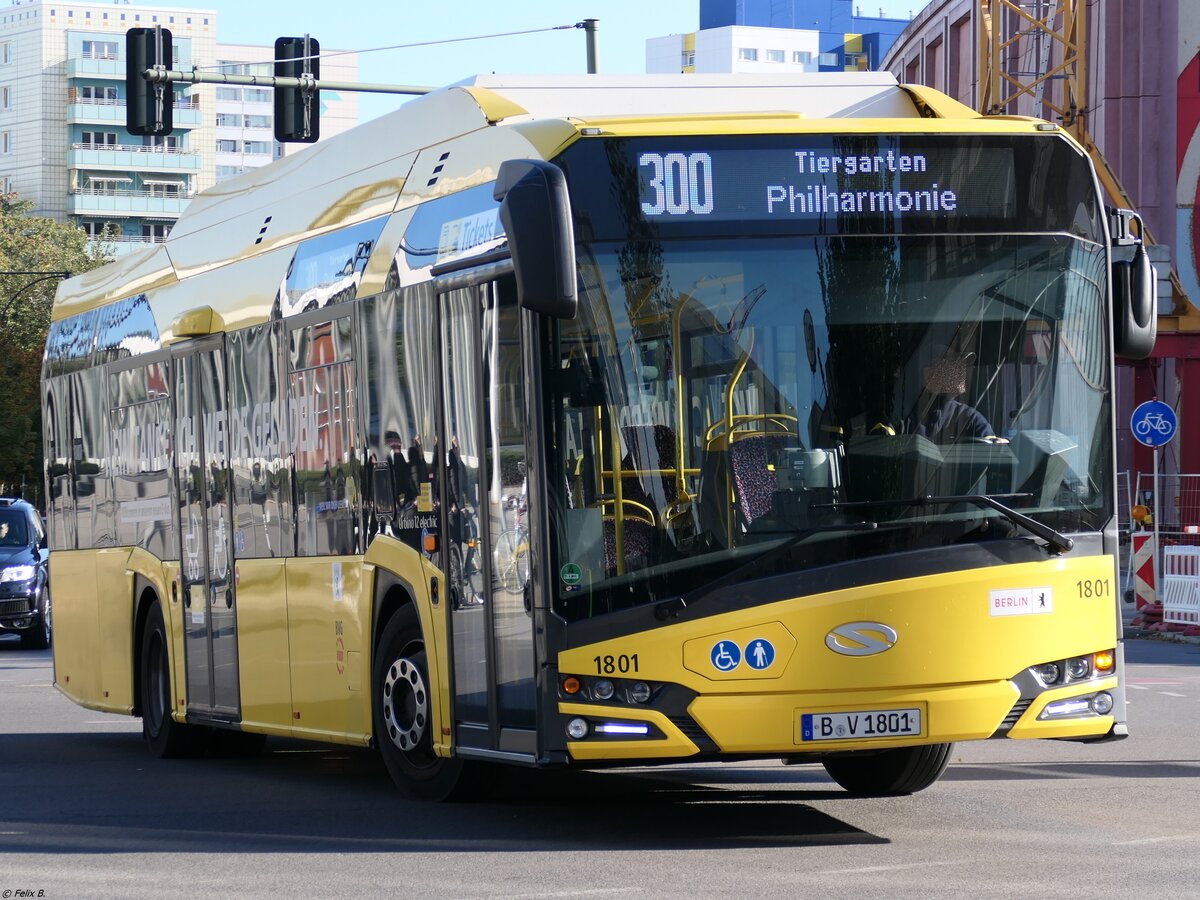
29	243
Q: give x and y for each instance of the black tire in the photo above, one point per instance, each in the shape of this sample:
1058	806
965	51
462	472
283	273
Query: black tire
39	638
889	773
401	702
165	738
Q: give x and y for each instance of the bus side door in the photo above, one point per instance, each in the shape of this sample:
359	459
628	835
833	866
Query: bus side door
486	551
206	565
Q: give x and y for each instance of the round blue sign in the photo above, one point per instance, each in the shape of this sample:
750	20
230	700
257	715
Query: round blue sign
1153	423
760	653
725	656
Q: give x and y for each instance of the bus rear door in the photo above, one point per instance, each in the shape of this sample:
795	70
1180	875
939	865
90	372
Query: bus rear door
206	565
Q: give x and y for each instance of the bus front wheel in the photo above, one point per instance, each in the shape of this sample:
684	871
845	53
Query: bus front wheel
166	738
401	709
889	773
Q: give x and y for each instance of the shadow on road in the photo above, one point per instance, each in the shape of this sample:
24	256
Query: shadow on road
107	795
1107	769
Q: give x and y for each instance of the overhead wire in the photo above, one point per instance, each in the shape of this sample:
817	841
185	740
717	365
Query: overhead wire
458	40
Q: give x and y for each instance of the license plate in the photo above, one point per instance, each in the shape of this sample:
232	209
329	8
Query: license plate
865	724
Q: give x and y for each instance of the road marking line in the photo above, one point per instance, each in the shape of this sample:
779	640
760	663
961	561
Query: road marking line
590	892
1171	694
1156	840
868	869
1138	687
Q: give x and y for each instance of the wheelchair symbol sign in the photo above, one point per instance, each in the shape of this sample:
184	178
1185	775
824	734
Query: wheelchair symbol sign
725	656
1154	423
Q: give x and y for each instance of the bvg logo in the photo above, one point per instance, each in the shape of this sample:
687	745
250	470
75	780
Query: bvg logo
861	638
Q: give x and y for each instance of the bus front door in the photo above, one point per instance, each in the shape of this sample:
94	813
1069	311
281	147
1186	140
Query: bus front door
485	551
206	565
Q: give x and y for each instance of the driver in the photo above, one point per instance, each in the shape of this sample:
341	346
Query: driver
940	415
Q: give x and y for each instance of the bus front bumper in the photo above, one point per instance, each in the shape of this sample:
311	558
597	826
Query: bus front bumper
768	725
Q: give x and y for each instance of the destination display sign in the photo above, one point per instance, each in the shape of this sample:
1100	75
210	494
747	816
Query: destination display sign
812	179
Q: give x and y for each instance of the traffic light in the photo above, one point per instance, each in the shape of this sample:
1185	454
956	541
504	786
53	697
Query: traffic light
297	111
148	105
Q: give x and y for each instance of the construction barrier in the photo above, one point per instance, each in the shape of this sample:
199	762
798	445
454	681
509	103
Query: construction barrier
1177	507
1181	586
1143	569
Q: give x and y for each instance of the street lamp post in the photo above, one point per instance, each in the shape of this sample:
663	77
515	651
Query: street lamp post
43	276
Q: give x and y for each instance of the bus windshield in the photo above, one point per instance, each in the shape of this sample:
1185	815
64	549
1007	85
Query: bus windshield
734	384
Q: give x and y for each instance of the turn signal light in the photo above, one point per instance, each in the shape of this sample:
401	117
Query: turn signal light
571	685
1105	662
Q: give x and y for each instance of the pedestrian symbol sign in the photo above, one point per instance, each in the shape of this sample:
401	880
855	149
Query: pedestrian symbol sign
725	656
1154	423
760	653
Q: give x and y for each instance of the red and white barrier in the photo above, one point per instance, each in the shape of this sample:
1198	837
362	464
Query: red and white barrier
1143	569
1181	586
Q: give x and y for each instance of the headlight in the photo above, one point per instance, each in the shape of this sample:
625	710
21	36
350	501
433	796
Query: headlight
1048	672
18	573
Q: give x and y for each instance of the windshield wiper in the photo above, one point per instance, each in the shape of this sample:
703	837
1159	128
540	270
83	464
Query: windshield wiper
1059	543
671	608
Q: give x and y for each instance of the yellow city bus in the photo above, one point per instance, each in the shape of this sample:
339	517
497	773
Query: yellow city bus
597	421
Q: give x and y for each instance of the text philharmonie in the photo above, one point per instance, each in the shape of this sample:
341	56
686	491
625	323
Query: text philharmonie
819	199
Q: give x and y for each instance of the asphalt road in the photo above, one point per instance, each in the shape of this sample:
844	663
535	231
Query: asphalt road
85	812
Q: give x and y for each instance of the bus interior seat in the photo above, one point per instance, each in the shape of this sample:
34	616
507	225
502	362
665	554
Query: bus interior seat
754	480
638	535
656	447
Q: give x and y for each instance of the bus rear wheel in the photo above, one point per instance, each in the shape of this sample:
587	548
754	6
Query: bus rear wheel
401	708
165	738
889	773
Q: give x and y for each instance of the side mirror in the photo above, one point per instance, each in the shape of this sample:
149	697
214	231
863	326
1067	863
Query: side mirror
1134	290
536	213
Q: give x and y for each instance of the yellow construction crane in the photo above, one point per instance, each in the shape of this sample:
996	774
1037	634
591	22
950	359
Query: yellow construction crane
1051	35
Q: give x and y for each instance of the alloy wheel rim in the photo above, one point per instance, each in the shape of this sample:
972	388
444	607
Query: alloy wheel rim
405	704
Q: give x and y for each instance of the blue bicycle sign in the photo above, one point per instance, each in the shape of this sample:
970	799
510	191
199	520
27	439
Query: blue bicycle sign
1154	423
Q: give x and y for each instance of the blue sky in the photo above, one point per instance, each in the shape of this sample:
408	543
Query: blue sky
624	26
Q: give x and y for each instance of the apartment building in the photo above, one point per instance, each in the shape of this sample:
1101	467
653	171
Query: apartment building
245	114
776	37
63	141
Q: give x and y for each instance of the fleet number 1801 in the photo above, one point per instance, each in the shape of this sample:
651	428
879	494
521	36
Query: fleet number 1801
622	664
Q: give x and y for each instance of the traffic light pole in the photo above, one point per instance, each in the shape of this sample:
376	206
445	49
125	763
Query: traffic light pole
157	75
296	81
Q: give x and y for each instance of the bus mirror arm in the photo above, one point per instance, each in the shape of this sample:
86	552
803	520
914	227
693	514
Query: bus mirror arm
535	210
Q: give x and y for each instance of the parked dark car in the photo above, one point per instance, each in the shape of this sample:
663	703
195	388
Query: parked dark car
24	575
